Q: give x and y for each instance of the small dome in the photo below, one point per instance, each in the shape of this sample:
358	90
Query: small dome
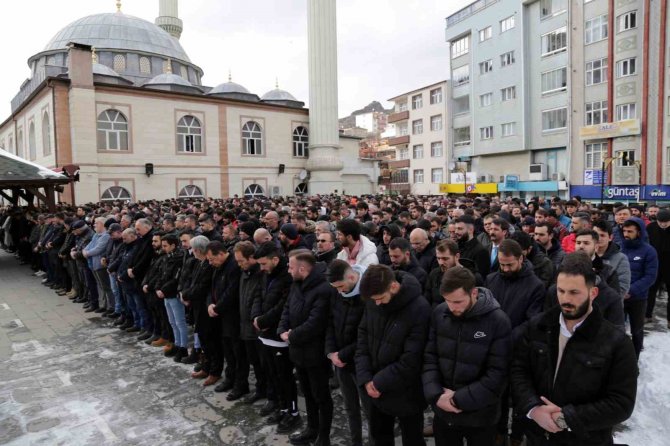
104	70
228	87
278	95
169	79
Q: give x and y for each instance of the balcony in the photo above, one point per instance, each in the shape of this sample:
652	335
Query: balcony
466	12
398	164
399	140
400	116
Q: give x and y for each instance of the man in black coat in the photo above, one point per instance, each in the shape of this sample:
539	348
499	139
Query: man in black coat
424	249
659	238
573	373
469	246
303	325
391	340
466	361
402	259
346	311
326	247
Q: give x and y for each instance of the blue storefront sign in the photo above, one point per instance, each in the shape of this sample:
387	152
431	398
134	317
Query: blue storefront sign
660	192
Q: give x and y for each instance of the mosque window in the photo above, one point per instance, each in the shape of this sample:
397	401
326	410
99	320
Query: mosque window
145	65
184	72
301	189
191	191
189	135
119	63
253	191
112	130
46	135
252	139
51	60
32	148
300	142
19	144
115	193
10	147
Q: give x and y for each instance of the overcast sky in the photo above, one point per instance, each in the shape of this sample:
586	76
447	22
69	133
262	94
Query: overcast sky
385	47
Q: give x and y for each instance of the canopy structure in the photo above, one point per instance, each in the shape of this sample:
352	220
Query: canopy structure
21	179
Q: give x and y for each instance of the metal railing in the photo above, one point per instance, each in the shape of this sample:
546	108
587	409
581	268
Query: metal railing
466	12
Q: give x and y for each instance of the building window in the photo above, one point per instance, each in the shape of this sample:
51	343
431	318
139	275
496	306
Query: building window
554	42
190	191
508	129
625	111
436	149
417	101
418	176
625	158
417	152
402	106
301	189
46	135
485	34
595	29
401	129
486	66
626	67
189	135
486	100
10	148
112	130
300	142
19	144
486	132
32	147
436	175
627	21
115	193
403	154
555	80
145	65
461	75
595	153
400	176
555	119
549	8
436	96
507	59
184	72
252	139
435	123
462	136
596	112
253	191
119	63
507	94
596	71
462	105
460	47
417	127
507	24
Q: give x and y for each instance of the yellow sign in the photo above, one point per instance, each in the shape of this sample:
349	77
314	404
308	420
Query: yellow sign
479	188
626	127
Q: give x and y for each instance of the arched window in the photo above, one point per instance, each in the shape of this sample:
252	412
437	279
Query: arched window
19	144
115	193
189	135
300	142
119	63
254	191
252	139
191	191
112	130
184	72
301	189
32	148
10	147
46	135
145	65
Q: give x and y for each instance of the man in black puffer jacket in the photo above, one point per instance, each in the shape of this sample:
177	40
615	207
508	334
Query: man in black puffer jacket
346	311
466	361
391	339
303	325
403	259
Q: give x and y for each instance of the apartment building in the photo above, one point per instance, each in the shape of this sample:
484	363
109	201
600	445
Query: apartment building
420	120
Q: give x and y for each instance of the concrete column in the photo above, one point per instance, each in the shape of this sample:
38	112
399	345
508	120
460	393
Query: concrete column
168	17
324	161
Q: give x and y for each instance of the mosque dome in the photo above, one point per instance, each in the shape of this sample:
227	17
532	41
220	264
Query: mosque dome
169	79
104	70
227	88
278	95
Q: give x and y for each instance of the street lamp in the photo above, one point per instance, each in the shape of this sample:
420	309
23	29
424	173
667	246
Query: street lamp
603	173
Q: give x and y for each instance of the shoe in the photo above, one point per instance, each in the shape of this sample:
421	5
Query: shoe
224	386
305	436
91	310
80	300
197	367
268	408
120	321
99	310
236	394
289	423
46	281
126	325
192	357
160	342
200	374
132	329
151	339
170	350
182	352
211	379
428	430
275	417
72	296
114	315
108	313
86	306
253	397
61	292
322	440
144	336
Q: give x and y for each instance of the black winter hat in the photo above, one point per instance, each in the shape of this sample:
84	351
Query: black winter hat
290	231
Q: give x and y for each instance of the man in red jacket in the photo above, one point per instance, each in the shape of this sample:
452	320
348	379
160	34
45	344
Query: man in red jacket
580	220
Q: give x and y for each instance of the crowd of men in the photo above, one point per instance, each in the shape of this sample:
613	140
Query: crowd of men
508	319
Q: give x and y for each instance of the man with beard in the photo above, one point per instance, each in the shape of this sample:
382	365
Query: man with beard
161	335
326	251
542	266
498	231
580	220
424	249
448	257
389	232
402	259
469	247
659	238
229	237
466	361
357	249
573	373
209	230
546	240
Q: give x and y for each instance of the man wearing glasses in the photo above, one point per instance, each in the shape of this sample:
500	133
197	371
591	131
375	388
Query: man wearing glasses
326	249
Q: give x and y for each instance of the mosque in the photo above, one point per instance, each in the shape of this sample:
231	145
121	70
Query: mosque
116	100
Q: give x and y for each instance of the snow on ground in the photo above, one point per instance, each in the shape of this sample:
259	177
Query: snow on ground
649	425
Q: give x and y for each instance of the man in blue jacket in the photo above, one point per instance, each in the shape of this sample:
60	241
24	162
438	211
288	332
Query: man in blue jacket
643	268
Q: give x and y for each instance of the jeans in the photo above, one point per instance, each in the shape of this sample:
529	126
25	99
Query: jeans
454	435
635	310
381	428
318	401
119	303
355	398
177	318
141	316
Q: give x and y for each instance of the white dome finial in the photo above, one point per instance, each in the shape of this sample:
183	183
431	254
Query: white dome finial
118	5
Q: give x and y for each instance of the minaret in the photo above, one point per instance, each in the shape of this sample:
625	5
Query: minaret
168	17
325	161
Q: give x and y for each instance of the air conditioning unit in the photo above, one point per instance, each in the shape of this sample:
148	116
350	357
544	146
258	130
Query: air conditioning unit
537	172
560	176
275	191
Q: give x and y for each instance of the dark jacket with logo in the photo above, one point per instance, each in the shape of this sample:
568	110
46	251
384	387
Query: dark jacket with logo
470	355
643	262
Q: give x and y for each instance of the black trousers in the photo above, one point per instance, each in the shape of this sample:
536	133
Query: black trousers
158	314
382	424
655	289
318	401
517	420
279	371
453	436
237	365
252	349
212	345
635	310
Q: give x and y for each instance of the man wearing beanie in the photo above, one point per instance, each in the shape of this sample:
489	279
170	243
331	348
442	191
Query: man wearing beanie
290	239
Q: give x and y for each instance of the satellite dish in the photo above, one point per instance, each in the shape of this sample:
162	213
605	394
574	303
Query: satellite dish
452	165
302	175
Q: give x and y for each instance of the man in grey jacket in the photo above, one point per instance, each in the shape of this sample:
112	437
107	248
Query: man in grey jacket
611	255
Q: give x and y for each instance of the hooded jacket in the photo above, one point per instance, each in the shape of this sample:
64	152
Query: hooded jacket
555	253
659	238
615	259
643	262
474	251
470	355
389	349
414	269
167	279
367	254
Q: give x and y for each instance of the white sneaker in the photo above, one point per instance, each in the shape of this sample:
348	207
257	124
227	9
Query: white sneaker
39	273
